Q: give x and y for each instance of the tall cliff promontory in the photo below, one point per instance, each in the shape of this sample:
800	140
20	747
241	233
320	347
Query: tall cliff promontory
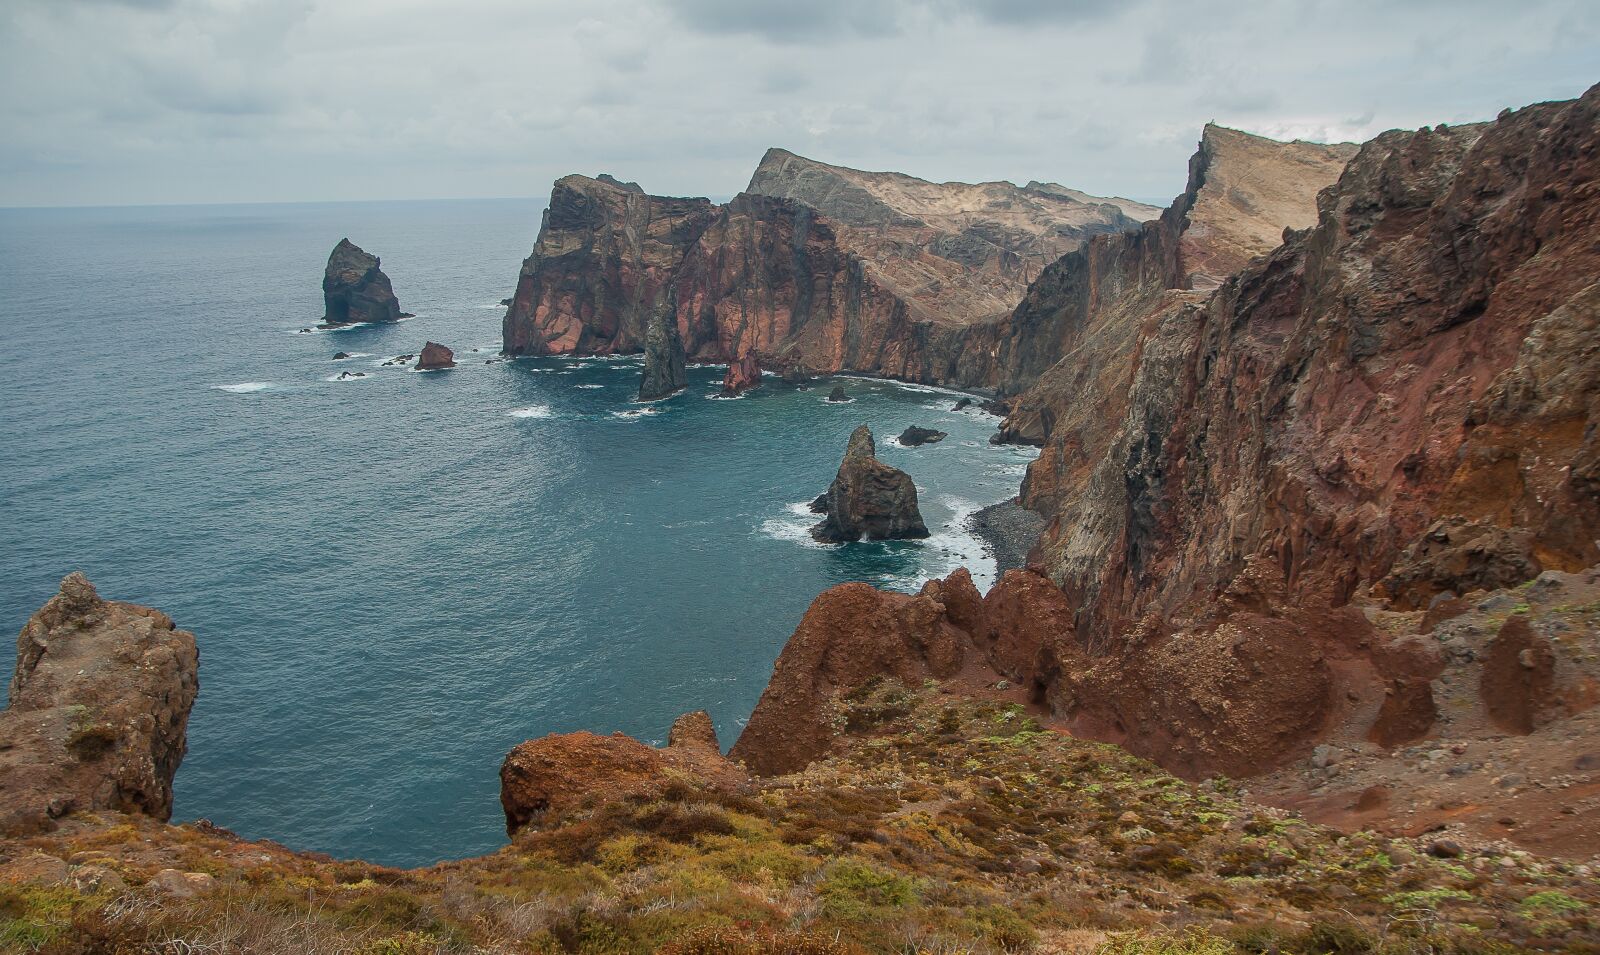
812	266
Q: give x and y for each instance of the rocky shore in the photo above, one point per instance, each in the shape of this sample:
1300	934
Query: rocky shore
1009	531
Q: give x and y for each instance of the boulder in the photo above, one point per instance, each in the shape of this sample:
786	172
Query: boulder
98	713
354	289
869	498
962	404
914	437
742	375
435	357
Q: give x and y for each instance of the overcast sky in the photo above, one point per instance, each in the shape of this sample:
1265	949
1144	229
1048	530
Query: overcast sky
159	101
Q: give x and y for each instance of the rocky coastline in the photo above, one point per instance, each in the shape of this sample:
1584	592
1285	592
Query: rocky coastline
1292	648
1008	531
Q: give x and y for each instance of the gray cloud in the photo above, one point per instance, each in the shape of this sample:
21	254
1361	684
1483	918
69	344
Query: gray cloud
127	101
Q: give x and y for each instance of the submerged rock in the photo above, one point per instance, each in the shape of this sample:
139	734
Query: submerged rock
915	436
742	375
354	289
664	361
869	498
435	357
98	713
341	355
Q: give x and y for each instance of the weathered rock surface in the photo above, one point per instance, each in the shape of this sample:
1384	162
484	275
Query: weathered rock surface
99	707
869	498
664	371
354	288
560	772
813	265
435	357
1428	351
915	436
743	374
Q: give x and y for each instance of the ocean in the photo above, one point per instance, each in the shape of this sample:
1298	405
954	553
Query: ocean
396	578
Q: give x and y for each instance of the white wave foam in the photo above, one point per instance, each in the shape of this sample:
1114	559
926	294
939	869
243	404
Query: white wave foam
588	387
348	376
532	411
795	527
243	387
635	413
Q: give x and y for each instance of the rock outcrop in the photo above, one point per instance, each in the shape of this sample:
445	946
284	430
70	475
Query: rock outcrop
664	373
98	711
743	374
354	289
838	395
550	776
435	357
812	265
915	436
869	498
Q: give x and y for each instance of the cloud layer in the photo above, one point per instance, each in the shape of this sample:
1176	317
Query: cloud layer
149	101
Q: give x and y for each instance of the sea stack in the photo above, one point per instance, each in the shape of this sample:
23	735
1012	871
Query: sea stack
98	712
742	375
869	498
663	355
355	290
435	357
838	396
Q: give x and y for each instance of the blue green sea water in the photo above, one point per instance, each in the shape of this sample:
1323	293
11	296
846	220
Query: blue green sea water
395	578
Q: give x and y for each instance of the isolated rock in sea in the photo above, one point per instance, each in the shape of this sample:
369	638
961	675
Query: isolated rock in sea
98	712
915	436
664	373
434	357
742	375
869	498
355	290
340	356
838	394
962	404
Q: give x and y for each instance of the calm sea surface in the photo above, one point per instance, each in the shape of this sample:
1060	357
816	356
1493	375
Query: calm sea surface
394	579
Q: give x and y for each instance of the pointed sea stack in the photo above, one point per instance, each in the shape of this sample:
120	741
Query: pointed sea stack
742	375
663	355
355	290
869	498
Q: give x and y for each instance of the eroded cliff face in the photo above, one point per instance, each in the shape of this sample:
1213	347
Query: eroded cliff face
813	266
1426	353
1244	473
98	711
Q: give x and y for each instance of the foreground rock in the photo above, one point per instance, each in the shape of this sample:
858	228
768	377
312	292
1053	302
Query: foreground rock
435	357
664	367
869	498
915	437
99	707
742	375
354	289
547	777
838	396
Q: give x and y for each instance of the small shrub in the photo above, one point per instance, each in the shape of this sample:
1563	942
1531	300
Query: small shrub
853	889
